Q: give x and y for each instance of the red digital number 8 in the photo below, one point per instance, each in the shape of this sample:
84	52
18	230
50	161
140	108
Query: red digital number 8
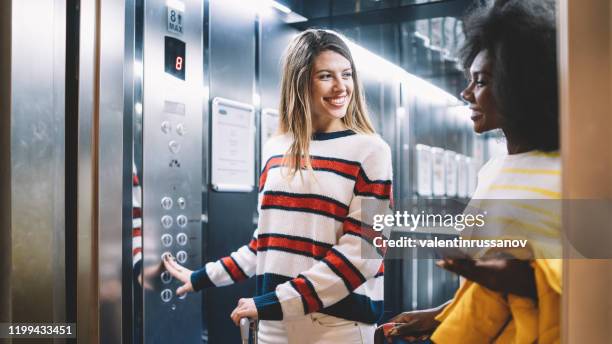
179	63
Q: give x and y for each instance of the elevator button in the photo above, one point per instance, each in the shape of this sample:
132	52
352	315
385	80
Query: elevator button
181	239
181	220
166	221
174	146
182	297
181	257
166	295
166	277
180	129
166	240
181	202
166	127
166	203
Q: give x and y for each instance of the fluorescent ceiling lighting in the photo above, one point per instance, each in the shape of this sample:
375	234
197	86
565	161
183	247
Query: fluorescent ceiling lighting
176	4
386	69
280	7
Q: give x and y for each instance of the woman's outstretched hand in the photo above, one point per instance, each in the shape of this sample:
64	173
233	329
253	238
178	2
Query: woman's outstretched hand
179	272
245	309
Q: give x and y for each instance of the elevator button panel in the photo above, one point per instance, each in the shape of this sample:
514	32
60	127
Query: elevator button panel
172	162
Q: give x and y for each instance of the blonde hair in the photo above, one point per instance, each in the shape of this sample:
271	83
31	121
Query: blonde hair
295	113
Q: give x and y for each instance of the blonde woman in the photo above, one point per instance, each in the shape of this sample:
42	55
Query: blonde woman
314	285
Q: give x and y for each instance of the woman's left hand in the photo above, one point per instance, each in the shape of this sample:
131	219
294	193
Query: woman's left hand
245	309
503	275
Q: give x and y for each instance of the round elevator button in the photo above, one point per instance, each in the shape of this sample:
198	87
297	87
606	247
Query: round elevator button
181	257
166	240
166	221
181	202
174	146
166	127
166	203
180	129
181	239
181	220
166	295
166	277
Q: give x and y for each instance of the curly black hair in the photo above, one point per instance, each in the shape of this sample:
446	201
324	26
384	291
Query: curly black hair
520	39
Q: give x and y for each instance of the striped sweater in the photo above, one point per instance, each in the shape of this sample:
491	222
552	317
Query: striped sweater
306	252
521	195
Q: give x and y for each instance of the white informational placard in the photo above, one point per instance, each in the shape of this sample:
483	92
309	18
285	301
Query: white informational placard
451	173
423	169
472	176
462	176
439	172
269	127
233	146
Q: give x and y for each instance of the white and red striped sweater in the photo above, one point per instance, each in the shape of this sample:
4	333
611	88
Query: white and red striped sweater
307	250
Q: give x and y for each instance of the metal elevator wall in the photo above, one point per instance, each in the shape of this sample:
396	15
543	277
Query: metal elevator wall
231	75
33	161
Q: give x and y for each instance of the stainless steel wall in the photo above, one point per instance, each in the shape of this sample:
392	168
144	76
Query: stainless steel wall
273	39
231	72
113	81
33	110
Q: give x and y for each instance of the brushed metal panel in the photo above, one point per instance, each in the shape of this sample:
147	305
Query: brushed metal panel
232	49
232	42
87	296
37	160
172	173
110	167
275	36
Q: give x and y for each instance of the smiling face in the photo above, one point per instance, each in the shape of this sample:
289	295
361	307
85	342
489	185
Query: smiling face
331	90
479	95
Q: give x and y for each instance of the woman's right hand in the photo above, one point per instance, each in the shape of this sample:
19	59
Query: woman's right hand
179	272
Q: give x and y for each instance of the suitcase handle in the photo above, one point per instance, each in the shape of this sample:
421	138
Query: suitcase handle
247	325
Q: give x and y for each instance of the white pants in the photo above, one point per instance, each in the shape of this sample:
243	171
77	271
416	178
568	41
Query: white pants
315	328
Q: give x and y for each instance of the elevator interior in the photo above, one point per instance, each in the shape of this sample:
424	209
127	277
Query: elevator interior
159	85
